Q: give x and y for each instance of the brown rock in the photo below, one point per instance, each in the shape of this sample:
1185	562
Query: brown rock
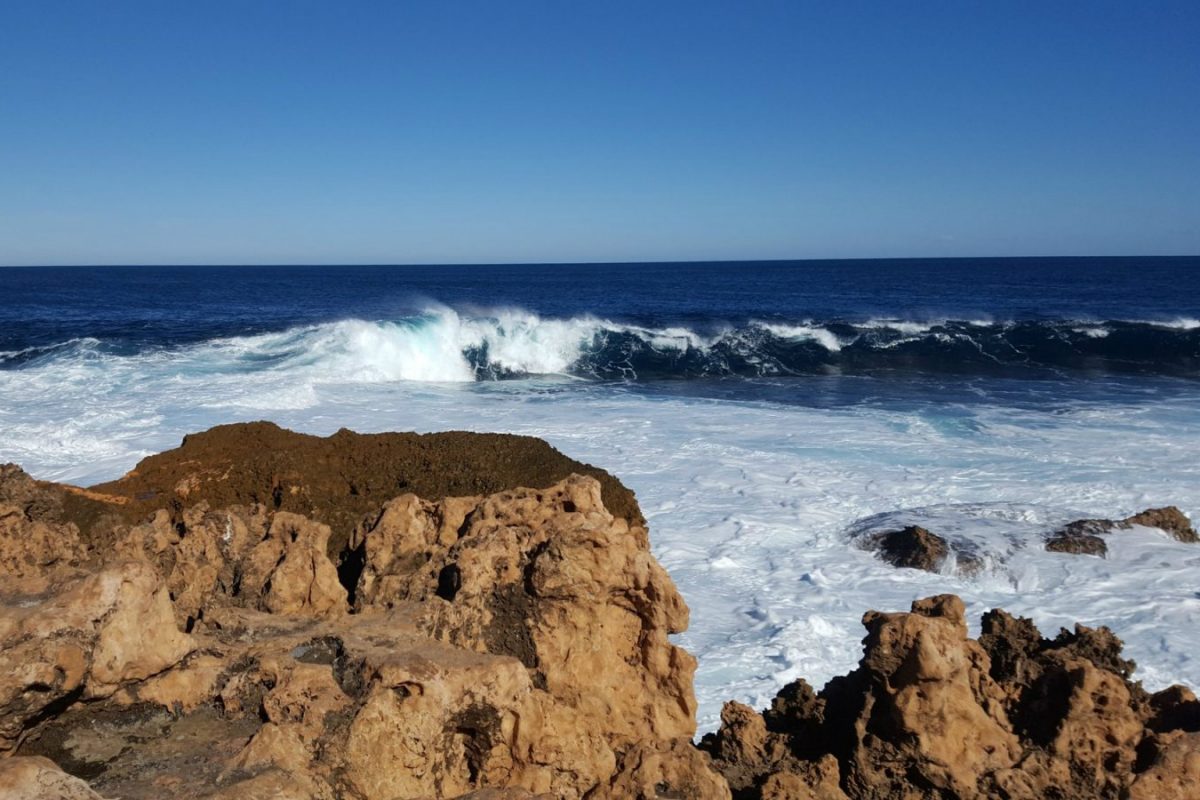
1087	544
913	547
1169	519
288	695
339	479
506	645
815	780
35	543
930	713
932	706
554	580
1174	708
1174	773
1083	536
98	633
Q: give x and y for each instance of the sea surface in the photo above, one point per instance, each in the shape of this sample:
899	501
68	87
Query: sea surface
768	415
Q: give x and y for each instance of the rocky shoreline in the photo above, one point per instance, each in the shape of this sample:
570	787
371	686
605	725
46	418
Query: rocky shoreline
262	614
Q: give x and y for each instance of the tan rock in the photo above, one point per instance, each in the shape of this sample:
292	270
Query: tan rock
816	780
94	634
551	578
137	638
31	550
1175	773
305	581
37	778
932	694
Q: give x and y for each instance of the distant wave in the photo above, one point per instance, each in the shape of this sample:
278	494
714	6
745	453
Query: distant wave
443	345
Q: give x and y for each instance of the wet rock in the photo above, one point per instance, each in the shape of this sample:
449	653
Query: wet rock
915	547
1169	519
1076	542
912	547
1083	536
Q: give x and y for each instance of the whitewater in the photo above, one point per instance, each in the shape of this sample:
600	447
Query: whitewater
757	481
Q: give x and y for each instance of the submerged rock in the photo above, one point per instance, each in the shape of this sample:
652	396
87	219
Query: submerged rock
1077	538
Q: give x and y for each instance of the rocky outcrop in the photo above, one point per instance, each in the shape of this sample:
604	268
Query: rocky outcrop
1169	519
534	574
35	543
931	713
915	547
335	480
509	645
1085	536
498	645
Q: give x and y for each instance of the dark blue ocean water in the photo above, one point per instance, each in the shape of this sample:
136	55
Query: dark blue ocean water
1012	317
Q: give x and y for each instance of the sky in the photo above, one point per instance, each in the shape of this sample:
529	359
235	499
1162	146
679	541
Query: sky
250	132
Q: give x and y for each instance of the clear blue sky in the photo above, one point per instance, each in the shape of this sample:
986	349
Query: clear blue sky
394	132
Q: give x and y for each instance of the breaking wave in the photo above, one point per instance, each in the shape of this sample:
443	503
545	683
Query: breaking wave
443	345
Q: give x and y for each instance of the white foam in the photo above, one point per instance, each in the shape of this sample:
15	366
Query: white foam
820	335
902	326
1182	323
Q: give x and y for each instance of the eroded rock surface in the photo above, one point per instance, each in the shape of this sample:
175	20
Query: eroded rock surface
497	644
931	713
505	645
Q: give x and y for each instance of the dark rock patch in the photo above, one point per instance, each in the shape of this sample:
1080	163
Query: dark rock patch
915	547
1087	544
336	480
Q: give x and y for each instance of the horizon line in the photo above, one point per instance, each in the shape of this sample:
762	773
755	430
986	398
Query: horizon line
620	262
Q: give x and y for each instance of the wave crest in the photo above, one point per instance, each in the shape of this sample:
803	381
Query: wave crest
444	345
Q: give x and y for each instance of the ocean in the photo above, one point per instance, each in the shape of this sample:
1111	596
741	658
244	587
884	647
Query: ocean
766	413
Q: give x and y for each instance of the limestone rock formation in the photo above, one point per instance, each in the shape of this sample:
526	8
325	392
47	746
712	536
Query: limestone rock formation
35	542
216	628
931	713
535	574
512	645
